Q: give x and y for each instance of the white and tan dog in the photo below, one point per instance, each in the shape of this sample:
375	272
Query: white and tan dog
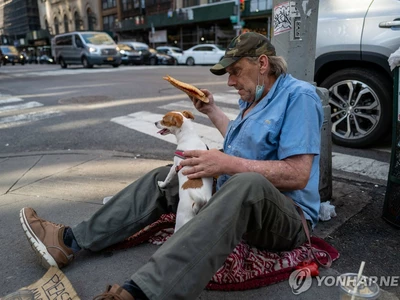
193	193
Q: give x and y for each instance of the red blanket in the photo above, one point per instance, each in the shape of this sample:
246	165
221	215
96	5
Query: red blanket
246	267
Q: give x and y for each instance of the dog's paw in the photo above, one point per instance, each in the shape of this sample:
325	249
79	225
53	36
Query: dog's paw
195	208
162	184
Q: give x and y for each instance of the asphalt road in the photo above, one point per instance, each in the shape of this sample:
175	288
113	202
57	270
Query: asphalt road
91	109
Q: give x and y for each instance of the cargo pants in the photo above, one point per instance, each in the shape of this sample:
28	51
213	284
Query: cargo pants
247	206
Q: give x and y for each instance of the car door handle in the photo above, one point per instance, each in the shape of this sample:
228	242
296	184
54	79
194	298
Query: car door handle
389	24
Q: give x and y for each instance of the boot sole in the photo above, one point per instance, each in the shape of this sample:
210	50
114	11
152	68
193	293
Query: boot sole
46	259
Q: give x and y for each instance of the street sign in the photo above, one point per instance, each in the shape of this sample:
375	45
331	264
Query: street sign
237	27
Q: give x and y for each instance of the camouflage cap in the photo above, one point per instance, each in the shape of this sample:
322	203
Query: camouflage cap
249	44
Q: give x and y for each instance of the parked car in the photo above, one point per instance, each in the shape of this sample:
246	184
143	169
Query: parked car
85	48
130	55
154	57
354	40
203	54
45	59
11	55
175	52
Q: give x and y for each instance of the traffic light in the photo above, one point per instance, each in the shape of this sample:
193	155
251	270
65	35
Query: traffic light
242	5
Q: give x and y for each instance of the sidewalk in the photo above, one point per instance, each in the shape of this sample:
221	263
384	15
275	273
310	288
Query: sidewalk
68	186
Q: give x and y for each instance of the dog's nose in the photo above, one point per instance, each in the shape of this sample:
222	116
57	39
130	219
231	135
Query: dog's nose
155	123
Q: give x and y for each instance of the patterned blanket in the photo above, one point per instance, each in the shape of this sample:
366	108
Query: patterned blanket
246	267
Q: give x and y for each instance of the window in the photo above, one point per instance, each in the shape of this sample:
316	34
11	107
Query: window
66	28
64	40
124	5
109	4
109	22
56	28
91	19
77	20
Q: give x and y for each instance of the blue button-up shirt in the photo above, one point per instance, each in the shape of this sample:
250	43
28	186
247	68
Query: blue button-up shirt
286	122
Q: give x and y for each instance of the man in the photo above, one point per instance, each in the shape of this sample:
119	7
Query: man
271	156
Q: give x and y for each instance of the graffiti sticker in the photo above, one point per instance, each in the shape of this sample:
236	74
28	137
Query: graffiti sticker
282	20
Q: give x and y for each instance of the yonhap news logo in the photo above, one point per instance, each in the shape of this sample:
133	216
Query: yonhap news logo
300	281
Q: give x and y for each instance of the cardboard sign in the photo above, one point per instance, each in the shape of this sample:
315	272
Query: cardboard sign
53	285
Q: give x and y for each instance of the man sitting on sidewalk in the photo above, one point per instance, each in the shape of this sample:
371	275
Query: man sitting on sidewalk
271	156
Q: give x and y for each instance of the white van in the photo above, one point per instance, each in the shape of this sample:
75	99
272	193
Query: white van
86	48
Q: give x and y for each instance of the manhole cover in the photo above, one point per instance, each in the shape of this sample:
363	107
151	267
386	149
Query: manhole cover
85	100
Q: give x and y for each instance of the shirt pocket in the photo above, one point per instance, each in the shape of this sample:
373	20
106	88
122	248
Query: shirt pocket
259	138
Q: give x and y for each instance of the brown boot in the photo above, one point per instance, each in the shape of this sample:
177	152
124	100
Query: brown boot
114	292
46	239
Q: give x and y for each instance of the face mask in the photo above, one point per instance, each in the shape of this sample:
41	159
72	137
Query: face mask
259	89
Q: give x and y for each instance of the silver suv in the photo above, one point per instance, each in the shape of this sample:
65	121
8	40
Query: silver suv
354	40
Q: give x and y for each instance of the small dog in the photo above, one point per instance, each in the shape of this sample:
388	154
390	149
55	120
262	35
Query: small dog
193	193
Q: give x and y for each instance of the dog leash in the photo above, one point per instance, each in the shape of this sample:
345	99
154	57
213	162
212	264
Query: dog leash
314	252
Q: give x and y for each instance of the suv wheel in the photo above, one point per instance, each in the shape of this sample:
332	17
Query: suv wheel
361	102
62	63
190	61
153	61
86	64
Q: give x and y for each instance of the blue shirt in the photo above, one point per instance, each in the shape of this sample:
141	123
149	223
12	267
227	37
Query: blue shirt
286	122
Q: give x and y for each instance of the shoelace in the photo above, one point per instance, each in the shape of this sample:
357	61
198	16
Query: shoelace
108	296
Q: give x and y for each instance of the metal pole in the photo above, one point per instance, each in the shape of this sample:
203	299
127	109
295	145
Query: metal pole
238	25
294	37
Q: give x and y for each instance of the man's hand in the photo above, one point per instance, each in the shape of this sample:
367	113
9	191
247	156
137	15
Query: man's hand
203	107
204	163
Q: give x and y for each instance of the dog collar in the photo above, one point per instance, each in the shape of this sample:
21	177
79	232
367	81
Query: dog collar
179	153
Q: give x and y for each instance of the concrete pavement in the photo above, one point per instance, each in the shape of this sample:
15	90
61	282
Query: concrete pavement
68	186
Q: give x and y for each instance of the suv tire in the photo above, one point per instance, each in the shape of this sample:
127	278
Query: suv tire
86	63
190	61
62	63
362	122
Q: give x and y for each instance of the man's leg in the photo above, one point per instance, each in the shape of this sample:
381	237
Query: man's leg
133	208
246	203
138	205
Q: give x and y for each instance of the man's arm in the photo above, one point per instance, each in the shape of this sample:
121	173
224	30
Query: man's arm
288	174
214	113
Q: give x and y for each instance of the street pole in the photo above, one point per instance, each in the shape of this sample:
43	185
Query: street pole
294	37
238	25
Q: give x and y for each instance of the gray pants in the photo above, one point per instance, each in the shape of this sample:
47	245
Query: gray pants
247	206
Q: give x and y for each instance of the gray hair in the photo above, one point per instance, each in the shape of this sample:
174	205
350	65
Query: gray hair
277	65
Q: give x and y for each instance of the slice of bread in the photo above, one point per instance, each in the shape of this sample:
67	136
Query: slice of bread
189	89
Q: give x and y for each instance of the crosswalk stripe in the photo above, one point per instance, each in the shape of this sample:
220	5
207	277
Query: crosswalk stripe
144	122
231	113
20	106
29	117
76	71
9	99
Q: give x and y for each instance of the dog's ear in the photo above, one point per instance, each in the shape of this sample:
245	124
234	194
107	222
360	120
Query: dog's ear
188	114
172	119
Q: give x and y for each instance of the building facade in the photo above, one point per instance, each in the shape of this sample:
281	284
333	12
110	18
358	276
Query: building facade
32	23
184	23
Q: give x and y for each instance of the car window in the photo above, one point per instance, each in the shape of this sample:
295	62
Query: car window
97	38
9	50
220	47
124	47
176	50
208	48
202	48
